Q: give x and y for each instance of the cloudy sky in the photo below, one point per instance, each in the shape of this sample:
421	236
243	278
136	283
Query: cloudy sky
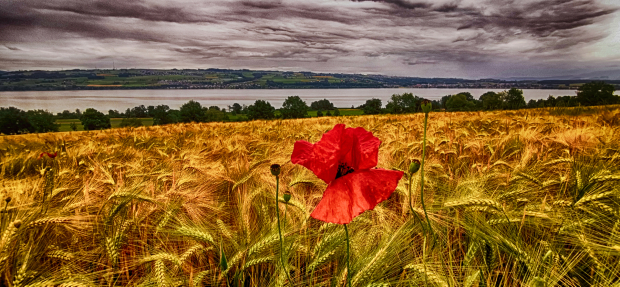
423	38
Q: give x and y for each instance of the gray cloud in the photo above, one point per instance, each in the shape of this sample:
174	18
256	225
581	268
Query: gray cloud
12	48
463	38
402	3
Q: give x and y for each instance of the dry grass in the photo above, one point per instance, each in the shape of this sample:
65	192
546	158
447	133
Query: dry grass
522	198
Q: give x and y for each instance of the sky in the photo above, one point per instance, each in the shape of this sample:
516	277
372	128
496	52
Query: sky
417	38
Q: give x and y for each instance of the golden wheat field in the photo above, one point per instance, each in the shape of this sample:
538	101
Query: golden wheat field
517	198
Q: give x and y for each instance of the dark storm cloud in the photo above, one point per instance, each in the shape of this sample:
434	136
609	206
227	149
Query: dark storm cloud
104	8
402	3
539	18
340	36
12	48
295	10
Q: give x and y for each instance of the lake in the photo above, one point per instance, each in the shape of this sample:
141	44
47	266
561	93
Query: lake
104	100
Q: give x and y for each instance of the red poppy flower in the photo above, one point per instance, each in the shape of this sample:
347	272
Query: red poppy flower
50	155
344	158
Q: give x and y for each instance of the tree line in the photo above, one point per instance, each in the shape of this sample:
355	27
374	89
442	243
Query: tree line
590	94
16	121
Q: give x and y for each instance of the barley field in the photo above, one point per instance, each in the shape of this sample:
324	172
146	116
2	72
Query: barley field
515	198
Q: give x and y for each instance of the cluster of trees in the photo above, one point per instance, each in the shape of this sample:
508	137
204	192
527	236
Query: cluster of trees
292	108
510	100
16	121
590	94
398	104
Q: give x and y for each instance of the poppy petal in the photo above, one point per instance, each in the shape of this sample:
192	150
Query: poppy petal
360	149
350	195
323	157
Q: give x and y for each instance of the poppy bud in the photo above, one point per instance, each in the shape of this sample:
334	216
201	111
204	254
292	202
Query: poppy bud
427	106
275	169
414	166
223	261
8	199
17	223
286	196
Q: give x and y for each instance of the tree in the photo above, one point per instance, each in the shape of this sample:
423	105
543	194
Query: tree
66	114
94	120
236	108
395	104
468	96
491	101
294	108
192	112
336	112
14	121
261	110
444	101
114	114
596	93
73	126
405	103
138	112
329	114
512	99
213	114
319	113
410	103
459	102
322	105
42	121
175	116
372	106
161	115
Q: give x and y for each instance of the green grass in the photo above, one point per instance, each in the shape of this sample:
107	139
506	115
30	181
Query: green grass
312	114
115	122
351	112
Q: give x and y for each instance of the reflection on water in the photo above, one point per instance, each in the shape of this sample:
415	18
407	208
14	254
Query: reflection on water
104	100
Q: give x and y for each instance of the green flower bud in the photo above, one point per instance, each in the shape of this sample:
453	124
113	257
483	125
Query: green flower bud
275	169
17	223
427	106
287	196
414	166
8	199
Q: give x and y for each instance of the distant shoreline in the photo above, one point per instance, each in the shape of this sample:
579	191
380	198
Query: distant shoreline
223	79
283	88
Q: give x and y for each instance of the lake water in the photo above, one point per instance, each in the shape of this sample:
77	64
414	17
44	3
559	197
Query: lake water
104	100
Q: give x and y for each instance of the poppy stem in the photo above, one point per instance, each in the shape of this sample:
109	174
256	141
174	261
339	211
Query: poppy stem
422	174
415	214
280	230
346	233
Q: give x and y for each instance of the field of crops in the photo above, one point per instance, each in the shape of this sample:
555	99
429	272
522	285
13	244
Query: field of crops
517	198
